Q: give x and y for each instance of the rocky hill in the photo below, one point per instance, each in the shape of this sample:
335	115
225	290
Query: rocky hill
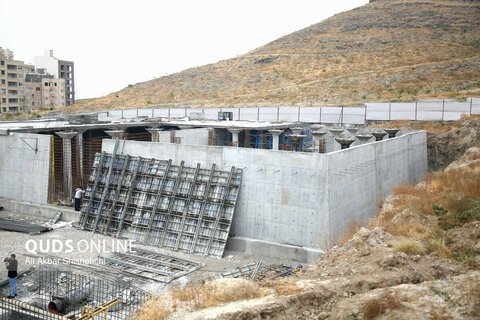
384	51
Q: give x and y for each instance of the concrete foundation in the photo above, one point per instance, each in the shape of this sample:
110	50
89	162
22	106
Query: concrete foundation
38	210
273	249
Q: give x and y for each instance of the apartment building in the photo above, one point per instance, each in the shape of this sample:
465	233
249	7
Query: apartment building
12	80
61	69
43	91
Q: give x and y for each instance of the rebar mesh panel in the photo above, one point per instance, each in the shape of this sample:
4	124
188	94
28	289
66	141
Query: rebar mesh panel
70	292
156	203
259	271
151	265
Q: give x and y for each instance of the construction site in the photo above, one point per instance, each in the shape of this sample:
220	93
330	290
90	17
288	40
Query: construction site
173	200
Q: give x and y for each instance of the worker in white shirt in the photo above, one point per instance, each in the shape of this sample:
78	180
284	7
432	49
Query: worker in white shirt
78	198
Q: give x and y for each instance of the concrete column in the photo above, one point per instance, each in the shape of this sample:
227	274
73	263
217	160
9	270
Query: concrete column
296	139
317	127
336	131
276	138
392	132
317	135
67	163
379	135
345	142
364	138
154	132
80	152
353	130
234	132
296	131
121	134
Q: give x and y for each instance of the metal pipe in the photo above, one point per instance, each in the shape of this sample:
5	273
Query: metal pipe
31	309
60	304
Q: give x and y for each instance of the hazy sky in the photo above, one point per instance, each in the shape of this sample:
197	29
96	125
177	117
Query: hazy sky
117	43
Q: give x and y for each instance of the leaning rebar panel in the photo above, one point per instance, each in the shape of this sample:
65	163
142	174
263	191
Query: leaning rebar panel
127	200
202	209
187	203
157	200
141	184
117	193
170	205
107	185
177	207
226	191
98	171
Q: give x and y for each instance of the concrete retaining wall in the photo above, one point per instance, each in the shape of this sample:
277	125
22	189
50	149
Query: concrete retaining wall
302	199
24	172
359	178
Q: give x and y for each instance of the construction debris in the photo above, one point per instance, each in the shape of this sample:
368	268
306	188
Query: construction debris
57	216
152	201
19	226
260	271
150	265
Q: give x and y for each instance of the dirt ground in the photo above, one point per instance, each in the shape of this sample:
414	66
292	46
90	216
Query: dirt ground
15	242
365	279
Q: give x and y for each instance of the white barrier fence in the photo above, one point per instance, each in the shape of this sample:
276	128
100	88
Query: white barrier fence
444	110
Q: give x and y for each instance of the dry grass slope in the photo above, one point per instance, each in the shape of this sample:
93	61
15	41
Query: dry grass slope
391	50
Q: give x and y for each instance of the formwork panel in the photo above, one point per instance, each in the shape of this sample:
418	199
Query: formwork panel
176	207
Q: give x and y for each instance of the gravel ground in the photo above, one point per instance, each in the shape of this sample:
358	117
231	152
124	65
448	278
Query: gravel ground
15	242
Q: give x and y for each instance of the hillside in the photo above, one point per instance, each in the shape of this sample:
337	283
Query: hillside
383	51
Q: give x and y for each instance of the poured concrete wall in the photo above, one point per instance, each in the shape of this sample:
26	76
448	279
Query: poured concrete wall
361	177
194	137
303	199
25	174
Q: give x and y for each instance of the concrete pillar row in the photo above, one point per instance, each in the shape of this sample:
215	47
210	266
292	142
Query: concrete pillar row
276	138
234	132
67	163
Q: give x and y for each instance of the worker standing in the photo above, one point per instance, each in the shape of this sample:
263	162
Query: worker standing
78	198
12	267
